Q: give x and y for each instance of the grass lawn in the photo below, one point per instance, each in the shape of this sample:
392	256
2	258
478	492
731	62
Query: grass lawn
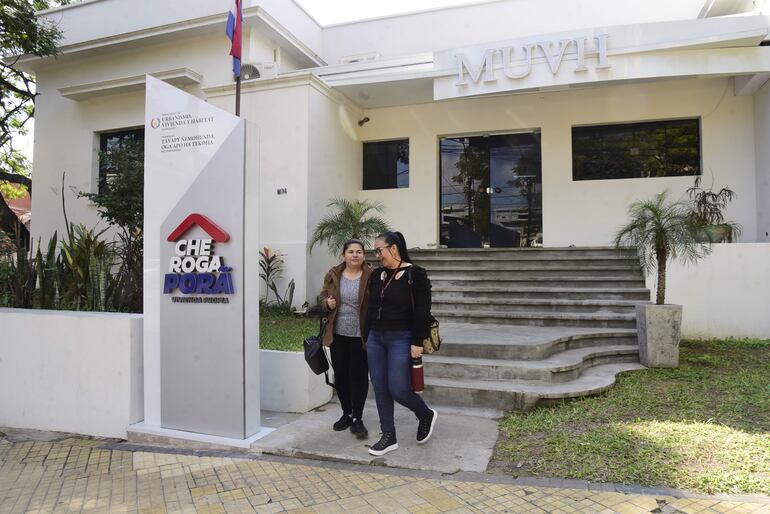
285	332
704	426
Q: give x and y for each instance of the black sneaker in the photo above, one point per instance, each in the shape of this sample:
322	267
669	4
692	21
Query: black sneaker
387	443
344	422
425	428
358	429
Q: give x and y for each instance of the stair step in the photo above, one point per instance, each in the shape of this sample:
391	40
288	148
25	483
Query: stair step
552	319
483	271
568	281
585	293
528	258
531	253
520	395
540	305
561	367
489	341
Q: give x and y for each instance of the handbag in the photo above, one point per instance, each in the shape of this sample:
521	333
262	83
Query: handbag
315	354
432	342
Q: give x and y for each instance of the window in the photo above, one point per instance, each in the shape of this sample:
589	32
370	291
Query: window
109	165
386	164
634	150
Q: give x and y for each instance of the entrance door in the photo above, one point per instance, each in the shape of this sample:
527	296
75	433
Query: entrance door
491	191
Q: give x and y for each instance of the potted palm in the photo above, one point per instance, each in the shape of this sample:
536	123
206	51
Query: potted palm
660	230
349	219
707	211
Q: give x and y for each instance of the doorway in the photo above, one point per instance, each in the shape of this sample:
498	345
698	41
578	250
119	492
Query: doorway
491	191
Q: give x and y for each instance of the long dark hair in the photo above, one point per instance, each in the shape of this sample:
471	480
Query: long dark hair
396	238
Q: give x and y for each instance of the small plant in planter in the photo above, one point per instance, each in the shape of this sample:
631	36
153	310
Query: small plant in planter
707	211
271	266
660	230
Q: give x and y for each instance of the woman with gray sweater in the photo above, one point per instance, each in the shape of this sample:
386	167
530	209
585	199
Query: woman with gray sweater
345	298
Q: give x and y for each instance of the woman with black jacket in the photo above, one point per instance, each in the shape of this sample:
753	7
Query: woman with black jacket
399	309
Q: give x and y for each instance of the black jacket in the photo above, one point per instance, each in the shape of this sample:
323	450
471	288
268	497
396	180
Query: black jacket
402	306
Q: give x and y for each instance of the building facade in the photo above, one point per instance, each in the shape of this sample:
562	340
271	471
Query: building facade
506	123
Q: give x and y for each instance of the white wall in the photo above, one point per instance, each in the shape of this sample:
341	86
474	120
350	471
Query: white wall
279	128
494	21
288	384
725	295
582	213
762	149
334	170
71	371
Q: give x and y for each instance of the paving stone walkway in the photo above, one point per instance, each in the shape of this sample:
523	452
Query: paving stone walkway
89	475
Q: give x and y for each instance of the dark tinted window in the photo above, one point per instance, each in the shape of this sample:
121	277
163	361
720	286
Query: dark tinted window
111	141
386	164
634	150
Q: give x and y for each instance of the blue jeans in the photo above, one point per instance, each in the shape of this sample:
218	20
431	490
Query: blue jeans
390	368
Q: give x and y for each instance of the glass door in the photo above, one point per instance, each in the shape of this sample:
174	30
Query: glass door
491	191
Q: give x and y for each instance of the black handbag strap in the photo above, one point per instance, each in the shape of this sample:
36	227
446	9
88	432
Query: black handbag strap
322	323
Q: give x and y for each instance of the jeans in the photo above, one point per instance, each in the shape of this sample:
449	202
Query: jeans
350	377
390	368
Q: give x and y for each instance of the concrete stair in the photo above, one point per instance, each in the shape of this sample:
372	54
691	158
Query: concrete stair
524	327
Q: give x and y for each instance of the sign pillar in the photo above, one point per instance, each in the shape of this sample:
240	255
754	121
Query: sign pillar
200	373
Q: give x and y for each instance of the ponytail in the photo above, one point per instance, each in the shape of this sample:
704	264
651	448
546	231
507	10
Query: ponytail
397	238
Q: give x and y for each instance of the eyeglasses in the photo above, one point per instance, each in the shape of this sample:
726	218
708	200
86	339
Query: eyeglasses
378	251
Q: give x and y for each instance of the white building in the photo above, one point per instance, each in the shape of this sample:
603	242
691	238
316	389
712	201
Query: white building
543	118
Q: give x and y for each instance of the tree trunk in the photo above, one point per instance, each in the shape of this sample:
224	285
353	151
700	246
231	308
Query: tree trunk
662	257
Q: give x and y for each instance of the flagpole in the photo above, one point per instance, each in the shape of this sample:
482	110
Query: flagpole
238	95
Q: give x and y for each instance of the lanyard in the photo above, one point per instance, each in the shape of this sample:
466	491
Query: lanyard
384	287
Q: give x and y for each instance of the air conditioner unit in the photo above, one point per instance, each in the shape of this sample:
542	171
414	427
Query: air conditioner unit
259	70
353	59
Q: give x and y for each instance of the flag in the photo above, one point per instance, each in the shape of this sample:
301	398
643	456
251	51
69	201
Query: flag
235	33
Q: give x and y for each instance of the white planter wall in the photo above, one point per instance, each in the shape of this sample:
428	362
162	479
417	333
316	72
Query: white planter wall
725	295
288	385
71	371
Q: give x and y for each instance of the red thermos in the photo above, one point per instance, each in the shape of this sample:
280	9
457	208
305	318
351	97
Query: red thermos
418	378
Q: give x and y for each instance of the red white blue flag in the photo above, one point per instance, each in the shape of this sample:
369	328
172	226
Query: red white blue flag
235	33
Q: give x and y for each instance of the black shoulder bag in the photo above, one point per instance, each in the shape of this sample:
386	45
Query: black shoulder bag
315	355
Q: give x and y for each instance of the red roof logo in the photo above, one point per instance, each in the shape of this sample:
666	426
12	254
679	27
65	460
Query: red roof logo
211	228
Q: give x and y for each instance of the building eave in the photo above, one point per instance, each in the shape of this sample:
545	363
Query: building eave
253	17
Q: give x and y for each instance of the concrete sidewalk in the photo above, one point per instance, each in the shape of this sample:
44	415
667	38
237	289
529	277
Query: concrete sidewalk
460	442
43	473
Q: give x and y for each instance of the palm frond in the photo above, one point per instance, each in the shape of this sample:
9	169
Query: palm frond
349	219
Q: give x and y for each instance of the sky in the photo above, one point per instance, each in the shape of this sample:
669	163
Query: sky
330	12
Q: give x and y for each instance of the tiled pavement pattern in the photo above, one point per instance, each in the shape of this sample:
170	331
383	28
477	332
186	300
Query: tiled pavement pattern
85	475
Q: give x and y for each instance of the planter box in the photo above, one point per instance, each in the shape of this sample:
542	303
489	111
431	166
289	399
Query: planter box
288	385
66	371
659	328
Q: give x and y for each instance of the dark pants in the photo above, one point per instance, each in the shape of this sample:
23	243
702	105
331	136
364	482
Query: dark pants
390	367
350	374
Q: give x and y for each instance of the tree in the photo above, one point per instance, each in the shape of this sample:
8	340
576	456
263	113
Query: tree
661	230
349	220
21	33
120	202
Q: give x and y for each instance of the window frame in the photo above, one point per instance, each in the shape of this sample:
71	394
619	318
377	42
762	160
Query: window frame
101	143
642	123
363	163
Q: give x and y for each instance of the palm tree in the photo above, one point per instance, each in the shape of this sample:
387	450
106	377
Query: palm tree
661	230
349	220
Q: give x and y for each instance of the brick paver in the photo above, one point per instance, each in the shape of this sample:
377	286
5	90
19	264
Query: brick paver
85	475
